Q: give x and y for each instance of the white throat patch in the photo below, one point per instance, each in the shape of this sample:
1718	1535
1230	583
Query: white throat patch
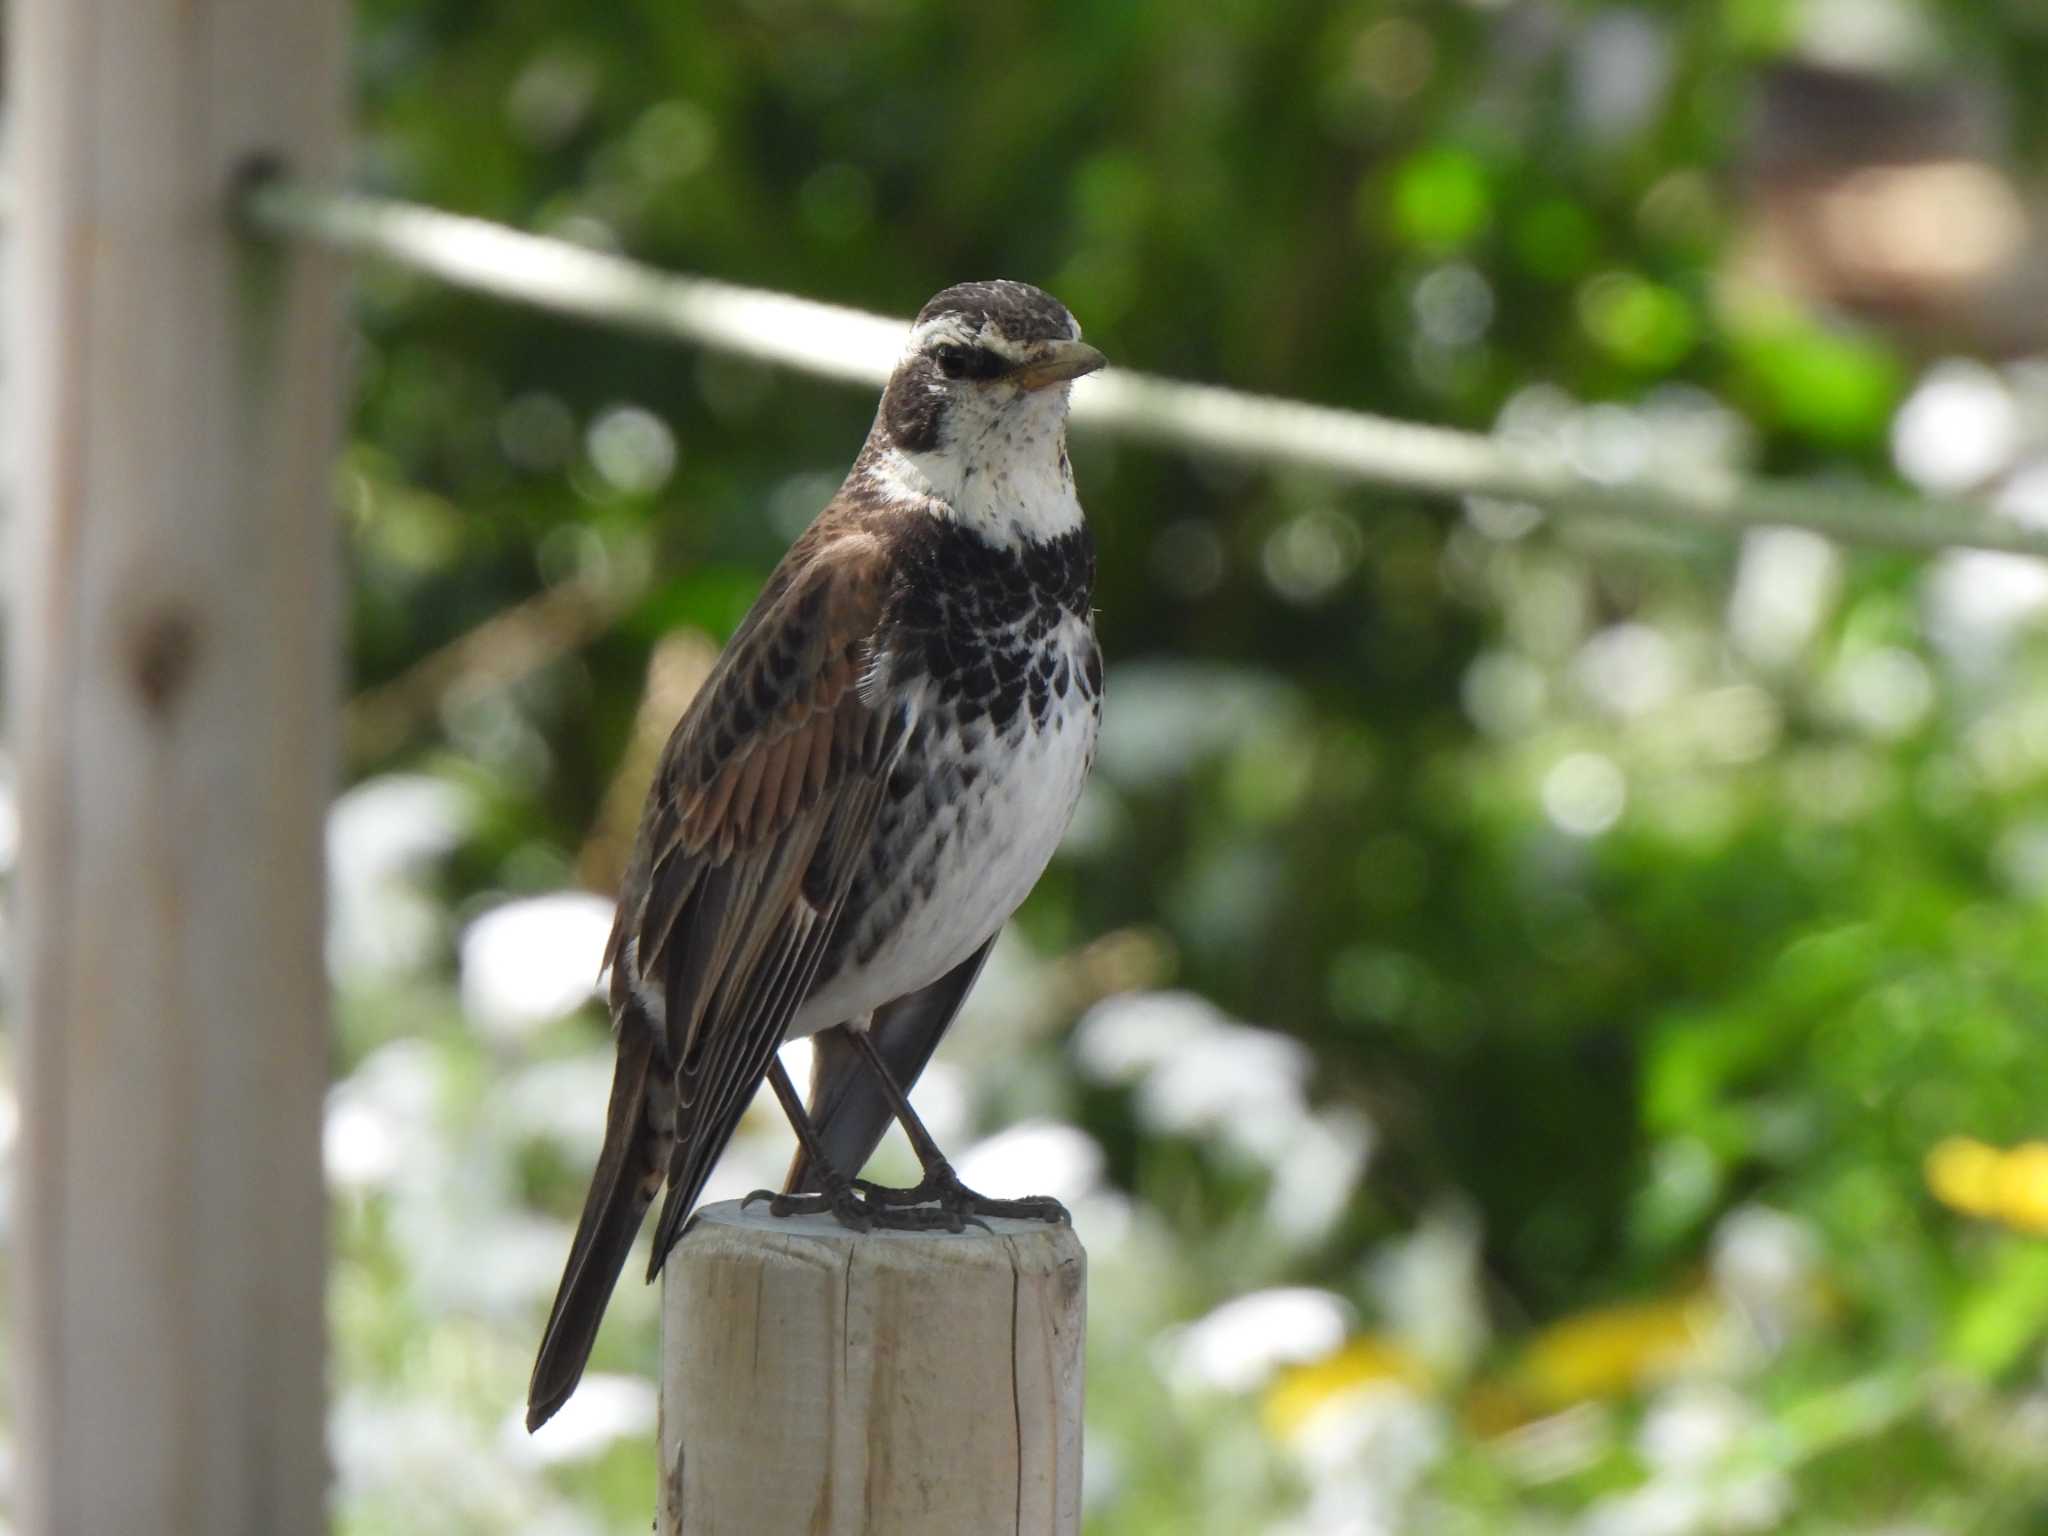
1002	469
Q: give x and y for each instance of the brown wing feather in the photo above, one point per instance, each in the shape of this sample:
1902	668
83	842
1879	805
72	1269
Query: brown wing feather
759	818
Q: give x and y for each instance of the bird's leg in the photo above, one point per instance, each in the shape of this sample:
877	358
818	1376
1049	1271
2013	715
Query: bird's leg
839	1197
939	1199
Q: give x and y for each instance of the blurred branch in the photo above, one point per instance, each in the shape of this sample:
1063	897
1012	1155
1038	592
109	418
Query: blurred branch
681	661
506	647
846	344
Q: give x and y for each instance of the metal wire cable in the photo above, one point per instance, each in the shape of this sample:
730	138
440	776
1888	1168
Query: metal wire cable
835	342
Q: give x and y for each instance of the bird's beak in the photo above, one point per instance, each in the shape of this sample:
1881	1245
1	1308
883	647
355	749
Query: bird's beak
1061	361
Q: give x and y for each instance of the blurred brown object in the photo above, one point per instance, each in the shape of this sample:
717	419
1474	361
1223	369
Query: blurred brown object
1890	200
503	649
675	672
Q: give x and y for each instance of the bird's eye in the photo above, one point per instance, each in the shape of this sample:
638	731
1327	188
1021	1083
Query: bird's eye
958	362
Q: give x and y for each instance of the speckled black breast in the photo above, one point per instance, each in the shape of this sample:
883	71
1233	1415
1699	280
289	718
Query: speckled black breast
978	629
978	619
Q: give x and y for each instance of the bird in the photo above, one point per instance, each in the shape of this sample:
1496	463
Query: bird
873	776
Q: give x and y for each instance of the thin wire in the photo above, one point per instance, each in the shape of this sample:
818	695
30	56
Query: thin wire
855	347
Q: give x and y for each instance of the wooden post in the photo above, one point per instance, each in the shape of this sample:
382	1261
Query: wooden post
172	696
821	1382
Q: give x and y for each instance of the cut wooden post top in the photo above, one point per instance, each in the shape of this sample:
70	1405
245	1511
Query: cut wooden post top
816	1379
754	1217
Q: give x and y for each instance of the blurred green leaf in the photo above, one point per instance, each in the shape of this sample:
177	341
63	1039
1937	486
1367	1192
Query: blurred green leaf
1440	199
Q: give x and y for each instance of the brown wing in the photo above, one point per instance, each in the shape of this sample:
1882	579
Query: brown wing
759	817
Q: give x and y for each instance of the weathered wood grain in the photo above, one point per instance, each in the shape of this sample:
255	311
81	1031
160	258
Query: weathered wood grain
172	396
821	1382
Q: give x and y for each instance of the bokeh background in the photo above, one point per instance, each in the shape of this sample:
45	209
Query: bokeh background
1540	1020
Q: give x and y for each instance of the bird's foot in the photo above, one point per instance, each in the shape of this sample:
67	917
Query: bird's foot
939	1201
839	1201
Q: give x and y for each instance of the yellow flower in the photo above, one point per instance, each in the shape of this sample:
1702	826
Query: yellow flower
1302	1391
1993	1184
1965	1175
1612	1351
2021	1200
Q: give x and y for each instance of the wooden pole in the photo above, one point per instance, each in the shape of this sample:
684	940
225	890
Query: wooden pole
821	1382
173	673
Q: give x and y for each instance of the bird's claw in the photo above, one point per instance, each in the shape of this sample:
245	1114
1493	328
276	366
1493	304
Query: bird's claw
840	1202
940	1200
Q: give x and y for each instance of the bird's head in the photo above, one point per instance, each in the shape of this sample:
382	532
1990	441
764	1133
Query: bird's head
985	370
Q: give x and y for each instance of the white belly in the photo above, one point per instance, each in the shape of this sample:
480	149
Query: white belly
969	868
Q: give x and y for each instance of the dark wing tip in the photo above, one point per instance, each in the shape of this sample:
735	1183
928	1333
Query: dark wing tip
542	1405
674	1222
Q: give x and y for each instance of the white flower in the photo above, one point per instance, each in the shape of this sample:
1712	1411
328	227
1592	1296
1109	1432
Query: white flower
1240	1344
1693	1426
604	1408
381	836
529	962
1765	1265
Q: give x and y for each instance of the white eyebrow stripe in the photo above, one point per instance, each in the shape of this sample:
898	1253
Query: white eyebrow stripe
944	328
956	329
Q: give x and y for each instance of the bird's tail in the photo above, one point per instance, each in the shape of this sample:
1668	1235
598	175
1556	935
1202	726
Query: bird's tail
629	1173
